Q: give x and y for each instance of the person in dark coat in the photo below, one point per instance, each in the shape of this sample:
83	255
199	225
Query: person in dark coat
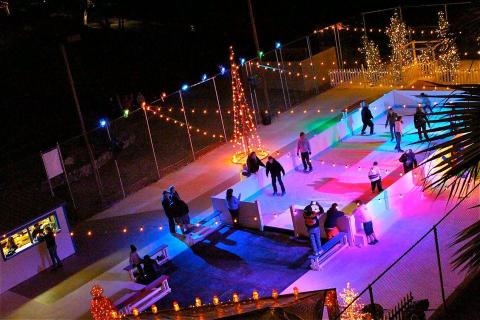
150	268
409	161
166	204
49	239
391	117
366	117
180	212
275	168
331	221
254	163
420	121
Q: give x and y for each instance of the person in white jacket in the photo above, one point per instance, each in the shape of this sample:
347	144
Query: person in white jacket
362	215
375	177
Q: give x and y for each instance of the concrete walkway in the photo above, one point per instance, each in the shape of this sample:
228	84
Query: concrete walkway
101	257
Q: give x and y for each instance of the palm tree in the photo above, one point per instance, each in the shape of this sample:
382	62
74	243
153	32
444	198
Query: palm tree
455	162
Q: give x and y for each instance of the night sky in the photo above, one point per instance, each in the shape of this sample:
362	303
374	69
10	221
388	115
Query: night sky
170	43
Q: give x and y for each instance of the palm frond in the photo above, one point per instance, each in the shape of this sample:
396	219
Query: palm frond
454	165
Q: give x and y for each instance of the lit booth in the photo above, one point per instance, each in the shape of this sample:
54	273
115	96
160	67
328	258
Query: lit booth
23	251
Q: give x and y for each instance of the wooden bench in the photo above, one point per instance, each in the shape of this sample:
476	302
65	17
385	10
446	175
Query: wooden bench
160	254
144	298
204	228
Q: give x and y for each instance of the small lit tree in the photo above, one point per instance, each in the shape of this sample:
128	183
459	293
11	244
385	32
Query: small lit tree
354	310
372	59
401	56
448	58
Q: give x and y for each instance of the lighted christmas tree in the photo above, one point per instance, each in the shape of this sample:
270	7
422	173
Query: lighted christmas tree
354	311
101	307
448	58
372	60
401	56
245	136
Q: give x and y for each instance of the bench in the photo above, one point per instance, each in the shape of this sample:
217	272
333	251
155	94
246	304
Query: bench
144	298
204	228
330	248
160	254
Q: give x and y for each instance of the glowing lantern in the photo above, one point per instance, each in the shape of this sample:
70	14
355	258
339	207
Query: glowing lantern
198	302
274	294
216	301
154	309
295	292
255	295
135	312
176	307
235	297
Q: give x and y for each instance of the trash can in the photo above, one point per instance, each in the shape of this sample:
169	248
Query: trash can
266	118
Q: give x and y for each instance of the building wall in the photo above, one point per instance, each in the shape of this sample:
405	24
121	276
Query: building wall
33	260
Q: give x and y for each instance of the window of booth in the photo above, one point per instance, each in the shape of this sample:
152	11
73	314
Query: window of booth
27	236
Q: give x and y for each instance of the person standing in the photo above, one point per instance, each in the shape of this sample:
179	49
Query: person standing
398	133
331	221
366	117
233	205
391	117
426	104
166	204
362	215
420	121
180	212
254	163
375	177
311	215
303	148
49	239
275	168
409	161
173	193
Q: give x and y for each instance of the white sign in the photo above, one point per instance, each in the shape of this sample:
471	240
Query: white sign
52	163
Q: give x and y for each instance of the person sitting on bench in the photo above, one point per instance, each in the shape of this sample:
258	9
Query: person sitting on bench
135	260
311	214
331	221
150	267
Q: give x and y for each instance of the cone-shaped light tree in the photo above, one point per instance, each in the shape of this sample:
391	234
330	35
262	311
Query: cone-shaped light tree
401	56
448	58
245	136
372	60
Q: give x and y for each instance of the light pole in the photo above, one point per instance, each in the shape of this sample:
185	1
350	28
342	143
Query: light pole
257	47
80	117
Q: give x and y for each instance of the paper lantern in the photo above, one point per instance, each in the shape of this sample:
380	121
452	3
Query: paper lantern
255	295
216	301
274	294
176	307
235	297
154	309
198	302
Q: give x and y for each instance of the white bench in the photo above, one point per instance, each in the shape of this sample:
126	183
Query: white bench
159	254
144	298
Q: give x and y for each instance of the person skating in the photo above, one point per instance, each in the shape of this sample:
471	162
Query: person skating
254	163
362	215
426	104
275	169
391	117
180	212
303	149
49	239
398	133
173	193
375	177
233	205
331	221
366	117
420	121
409	161
166	204
311	215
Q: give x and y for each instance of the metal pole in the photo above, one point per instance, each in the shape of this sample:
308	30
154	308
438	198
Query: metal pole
337	53
151	141
364	24
280	71
82	124
440	273
446	12
251	91
219	109
285	78
257	47
255	97
116	163
317	90
186	123
66	175
372	302
339	46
